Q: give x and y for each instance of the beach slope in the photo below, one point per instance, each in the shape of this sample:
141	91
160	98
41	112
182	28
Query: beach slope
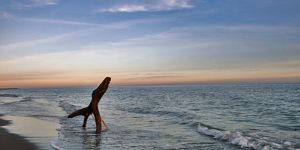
10	141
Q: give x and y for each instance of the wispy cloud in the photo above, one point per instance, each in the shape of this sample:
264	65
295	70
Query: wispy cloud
126	8
36	3
55	21
213	46
155	5
44	2
24	48
121	24
25	44
145	76
6	15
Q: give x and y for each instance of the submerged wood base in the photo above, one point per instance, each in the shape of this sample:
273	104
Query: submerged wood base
93	106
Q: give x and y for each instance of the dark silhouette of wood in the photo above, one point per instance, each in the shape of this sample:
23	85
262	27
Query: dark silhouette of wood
93	106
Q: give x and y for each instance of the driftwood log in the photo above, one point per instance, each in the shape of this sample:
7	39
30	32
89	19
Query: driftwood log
93	106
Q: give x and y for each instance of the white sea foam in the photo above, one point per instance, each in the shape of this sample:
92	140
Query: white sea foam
237	138
55	146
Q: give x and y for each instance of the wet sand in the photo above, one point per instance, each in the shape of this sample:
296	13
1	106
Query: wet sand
26	133
11	141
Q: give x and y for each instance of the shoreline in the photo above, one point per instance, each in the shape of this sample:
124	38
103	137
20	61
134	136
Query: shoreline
27	133
14	141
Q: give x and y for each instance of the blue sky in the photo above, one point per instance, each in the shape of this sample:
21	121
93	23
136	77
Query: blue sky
75	42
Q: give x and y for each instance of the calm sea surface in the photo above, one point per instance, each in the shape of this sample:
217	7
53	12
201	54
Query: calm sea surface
242	116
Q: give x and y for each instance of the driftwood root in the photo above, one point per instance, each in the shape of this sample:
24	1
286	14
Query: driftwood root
93	106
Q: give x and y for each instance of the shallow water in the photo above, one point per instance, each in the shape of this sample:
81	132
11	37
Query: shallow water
243	116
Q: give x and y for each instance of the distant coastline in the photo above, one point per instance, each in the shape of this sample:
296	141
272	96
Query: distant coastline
2	89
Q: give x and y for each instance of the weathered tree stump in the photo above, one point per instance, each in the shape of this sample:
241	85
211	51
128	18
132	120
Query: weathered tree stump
93	106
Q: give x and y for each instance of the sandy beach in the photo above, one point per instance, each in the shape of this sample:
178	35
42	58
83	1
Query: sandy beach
26	133
13	141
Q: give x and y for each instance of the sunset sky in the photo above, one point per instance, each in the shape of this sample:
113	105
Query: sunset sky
56	43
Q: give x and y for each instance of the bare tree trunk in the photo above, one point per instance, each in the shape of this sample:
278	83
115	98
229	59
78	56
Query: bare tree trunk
93	106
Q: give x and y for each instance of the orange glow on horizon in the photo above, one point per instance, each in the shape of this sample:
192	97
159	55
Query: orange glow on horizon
75	80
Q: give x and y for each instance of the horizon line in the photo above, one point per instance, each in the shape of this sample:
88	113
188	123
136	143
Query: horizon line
158	84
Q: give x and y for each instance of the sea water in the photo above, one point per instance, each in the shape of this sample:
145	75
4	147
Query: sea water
229	116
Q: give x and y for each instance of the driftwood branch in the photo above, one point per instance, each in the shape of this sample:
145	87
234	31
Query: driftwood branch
93	106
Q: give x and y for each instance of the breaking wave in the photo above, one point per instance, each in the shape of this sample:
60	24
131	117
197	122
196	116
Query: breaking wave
242	140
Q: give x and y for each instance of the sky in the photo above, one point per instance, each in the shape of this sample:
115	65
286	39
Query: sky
58	43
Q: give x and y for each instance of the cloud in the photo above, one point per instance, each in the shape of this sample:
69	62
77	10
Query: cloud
36	3
44	2
31	46
173	4
6	15
10	16
20	45
116	25
183	55
55	21
208	46
121	24
126	8
157	5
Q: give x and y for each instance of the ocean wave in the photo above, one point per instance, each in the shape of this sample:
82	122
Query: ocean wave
68	107
166	111
244	141
24	100
9	95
